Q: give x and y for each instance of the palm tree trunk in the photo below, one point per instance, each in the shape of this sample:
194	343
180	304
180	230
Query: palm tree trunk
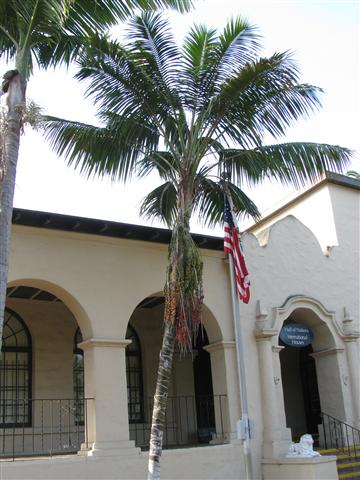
160	400
182	255
15	103
165	364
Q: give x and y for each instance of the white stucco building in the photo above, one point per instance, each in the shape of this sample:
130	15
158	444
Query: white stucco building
83	332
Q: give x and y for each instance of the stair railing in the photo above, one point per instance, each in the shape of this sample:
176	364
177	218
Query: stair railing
340	435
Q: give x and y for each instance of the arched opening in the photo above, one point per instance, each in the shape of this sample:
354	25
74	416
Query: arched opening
300	386
191	403
41	375
310	365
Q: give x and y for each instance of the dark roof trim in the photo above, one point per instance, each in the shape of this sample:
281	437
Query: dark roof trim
343	180
69	223
330	177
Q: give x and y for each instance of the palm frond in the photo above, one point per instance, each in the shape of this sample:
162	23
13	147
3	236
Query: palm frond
161	203
210	59
264	98
354	174
110	70
289	163
58	49
210	201
182	6
238	45
198	49
9	33
161	161
112	150
150	35
123	81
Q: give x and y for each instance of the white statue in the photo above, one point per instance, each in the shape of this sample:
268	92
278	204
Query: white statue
303	449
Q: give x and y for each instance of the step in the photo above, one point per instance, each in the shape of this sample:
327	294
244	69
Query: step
334	451
344	466
353	475
344	456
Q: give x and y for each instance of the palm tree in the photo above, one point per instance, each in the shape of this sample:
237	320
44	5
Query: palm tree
354	174
44	33
198	116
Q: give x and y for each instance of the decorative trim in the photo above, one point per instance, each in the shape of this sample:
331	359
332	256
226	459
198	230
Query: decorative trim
351	338
261	311
350	332
222	345
277	348
265	334
103	342
329	351
302	301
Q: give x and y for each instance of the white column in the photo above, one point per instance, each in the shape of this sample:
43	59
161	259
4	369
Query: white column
332	383
285	432
352	353
225	382
274	443
105	382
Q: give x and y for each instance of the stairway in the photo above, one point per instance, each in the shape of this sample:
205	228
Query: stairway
348	465
343	440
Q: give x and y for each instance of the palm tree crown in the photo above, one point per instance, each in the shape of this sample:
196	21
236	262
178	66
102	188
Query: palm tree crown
199	116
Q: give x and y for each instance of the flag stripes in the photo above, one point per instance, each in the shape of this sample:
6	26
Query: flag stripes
232	246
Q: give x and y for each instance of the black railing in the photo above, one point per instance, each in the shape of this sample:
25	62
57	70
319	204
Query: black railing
60	426
51	427
190	420
339	435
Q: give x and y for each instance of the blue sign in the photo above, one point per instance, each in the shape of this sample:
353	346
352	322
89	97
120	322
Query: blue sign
296	335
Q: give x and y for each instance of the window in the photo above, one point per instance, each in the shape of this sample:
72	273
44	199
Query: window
78	379
134	377
15	372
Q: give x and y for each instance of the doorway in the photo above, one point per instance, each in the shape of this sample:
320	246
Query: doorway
300	388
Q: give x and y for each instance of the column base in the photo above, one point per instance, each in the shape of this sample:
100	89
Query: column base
276	448
109	449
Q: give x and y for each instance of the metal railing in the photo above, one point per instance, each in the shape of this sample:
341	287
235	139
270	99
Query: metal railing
190	420
43	426
339	435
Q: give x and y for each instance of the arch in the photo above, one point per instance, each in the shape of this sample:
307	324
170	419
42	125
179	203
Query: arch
209	320
313	313
211	325
323	363
66	297
192	408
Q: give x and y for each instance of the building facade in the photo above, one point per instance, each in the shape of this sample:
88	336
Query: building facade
84	325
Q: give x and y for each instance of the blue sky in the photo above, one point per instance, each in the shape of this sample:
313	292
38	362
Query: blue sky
324	36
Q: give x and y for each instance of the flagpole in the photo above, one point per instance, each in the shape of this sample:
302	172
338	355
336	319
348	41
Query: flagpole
243	424
243	427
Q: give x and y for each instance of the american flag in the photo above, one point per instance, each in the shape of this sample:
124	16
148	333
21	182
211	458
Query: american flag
232	246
